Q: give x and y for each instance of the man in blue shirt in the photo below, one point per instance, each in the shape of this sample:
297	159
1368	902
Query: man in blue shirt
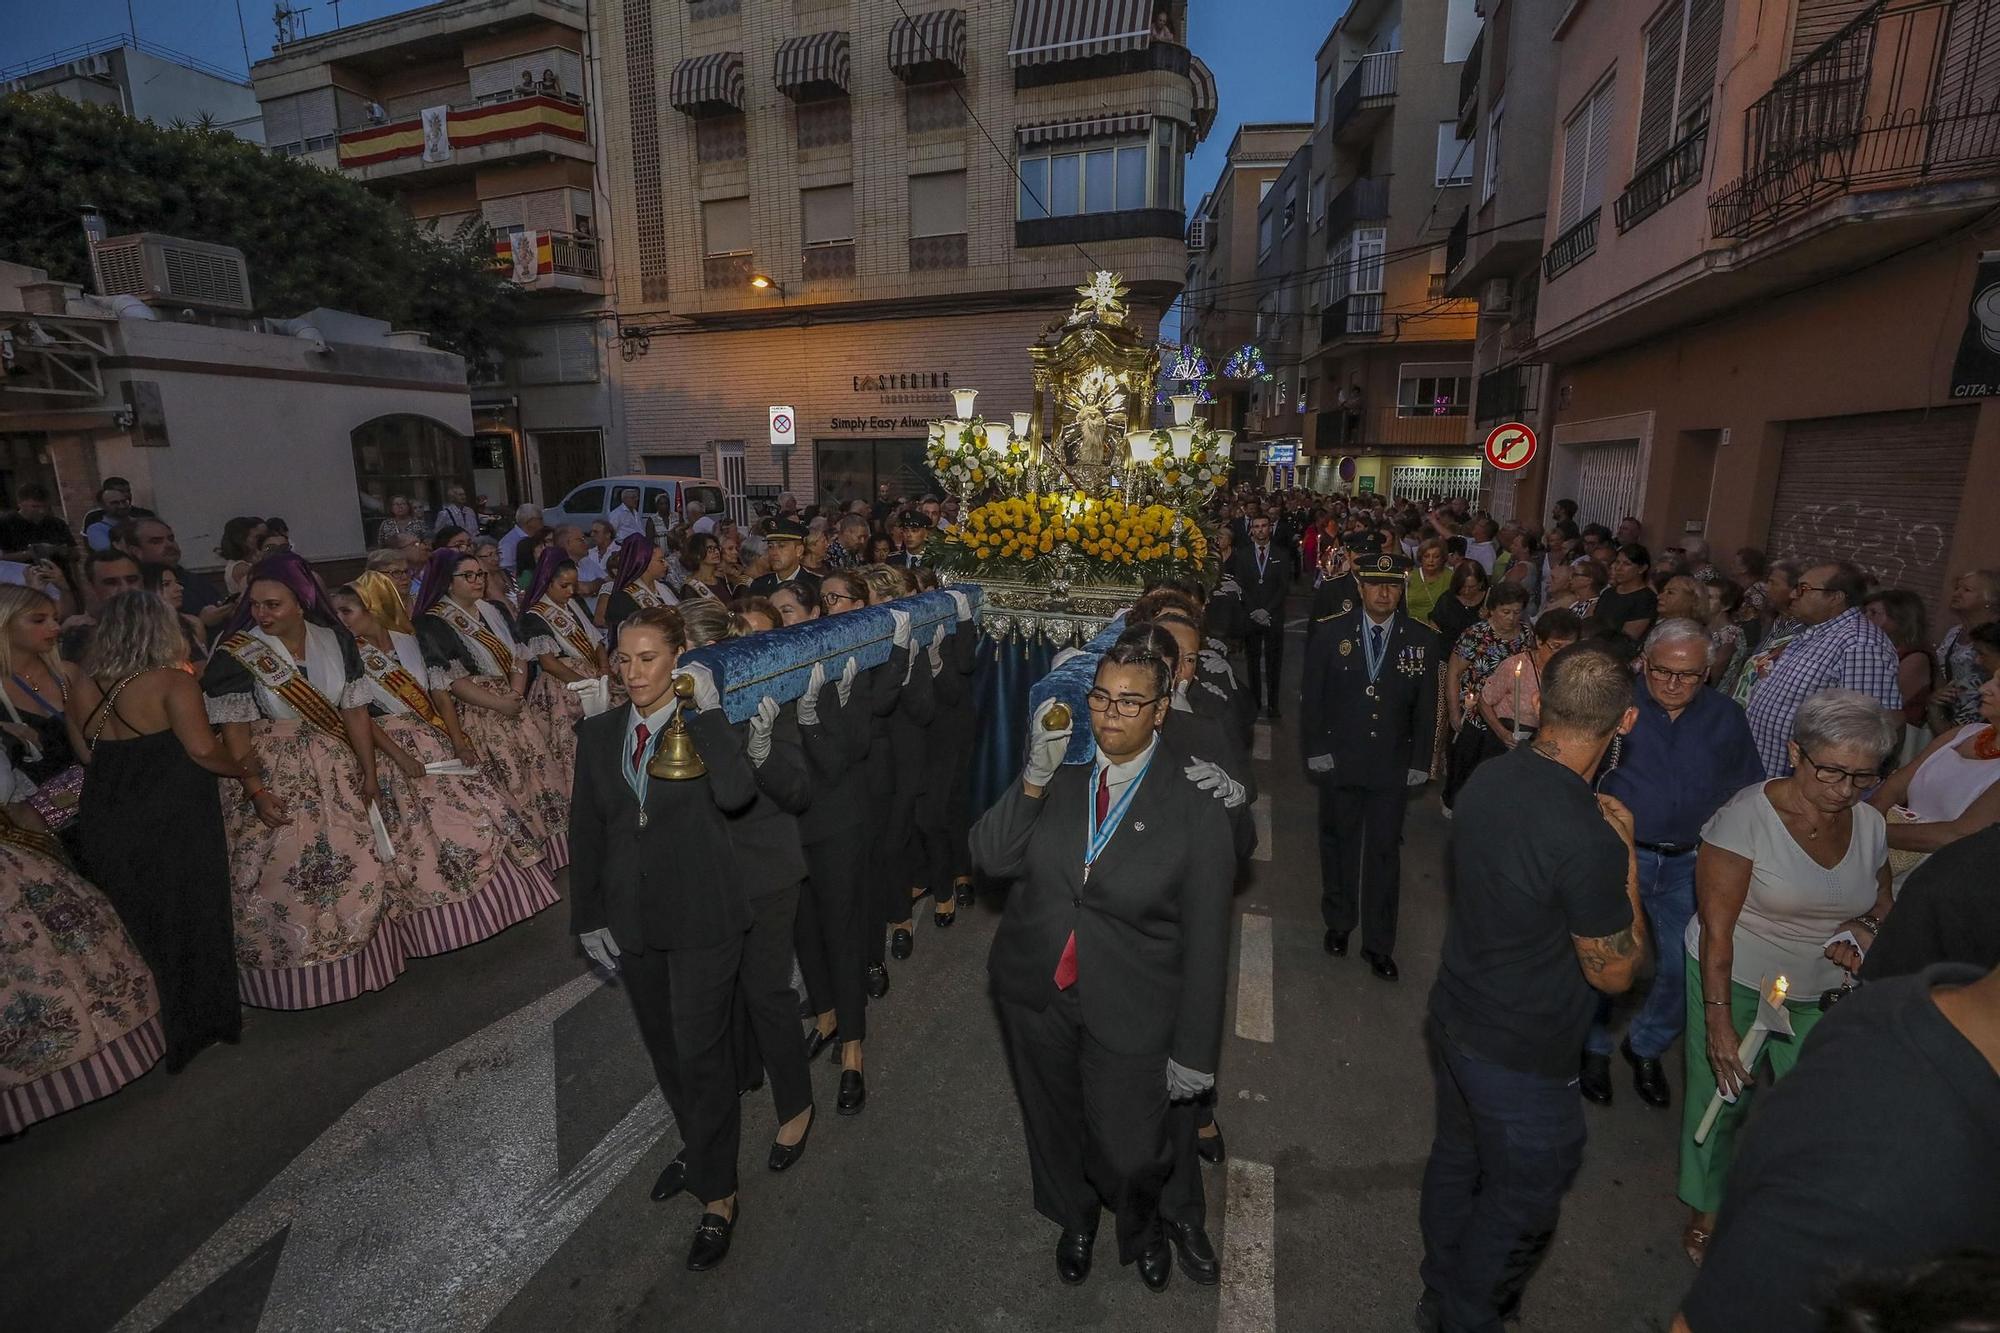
1690	751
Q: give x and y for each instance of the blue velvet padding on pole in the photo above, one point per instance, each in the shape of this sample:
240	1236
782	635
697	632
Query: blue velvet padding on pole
1070	682
776	664
1006	672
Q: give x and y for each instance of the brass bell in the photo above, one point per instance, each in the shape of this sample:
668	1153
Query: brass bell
675	758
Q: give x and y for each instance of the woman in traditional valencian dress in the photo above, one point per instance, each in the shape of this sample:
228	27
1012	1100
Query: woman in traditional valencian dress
78	1012
566	646
638	580
475	661
311	892
471	863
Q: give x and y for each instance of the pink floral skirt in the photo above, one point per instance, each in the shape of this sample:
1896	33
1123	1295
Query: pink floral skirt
519	759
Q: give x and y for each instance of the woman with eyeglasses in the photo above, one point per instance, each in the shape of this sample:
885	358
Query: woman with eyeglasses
1474	658
703	555
1788	872
1110	962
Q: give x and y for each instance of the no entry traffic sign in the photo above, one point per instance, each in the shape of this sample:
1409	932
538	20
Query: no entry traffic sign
784	431
1510	447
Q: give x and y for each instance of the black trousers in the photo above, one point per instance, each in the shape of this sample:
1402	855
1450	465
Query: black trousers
892	864
683	1000
831	932
1264	656
1361	860
1471	747
1096	1122
1182	1198
767	1008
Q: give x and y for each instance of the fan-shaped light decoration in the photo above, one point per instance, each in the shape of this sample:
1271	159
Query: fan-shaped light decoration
1246	363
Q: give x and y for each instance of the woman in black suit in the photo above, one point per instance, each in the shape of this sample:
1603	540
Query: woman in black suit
656	895
1109	965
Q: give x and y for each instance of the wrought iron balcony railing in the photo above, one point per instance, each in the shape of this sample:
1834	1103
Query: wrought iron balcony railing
1455	244
1372	81
1572	247
1360	313
1366	199
1666	176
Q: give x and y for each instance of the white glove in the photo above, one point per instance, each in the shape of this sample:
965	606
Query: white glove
901	637
1211	779
964	603
809	701
937	651
1320	763
1064	656
1229	587
1214	663
845	685
594	693
1416	777
1180	696
758	744
706	696
603	950
1184	1084
1045	748
1260	617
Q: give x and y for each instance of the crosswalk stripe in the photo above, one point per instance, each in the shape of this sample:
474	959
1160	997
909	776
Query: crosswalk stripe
1260	815
1249	1251
1254	1019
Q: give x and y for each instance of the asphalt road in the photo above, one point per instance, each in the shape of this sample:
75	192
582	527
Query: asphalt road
472	1148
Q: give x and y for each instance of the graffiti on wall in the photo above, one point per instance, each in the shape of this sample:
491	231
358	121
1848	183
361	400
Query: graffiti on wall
1900	554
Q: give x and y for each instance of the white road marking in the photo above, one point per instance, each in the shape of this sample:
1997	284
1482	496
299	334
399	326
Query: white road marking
1254	1019
433	1200
1249	1252
1260	815
1260	743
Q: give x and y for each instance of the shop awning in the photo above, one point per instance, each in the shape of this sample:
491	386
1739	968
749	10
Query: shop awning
1046	31
1095	127
814	66
928	46
1204	97
709	85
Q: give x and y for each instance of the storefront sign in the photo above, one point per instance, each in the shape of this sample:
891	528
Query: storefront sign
1976	372
904	388
1281	454
909	424
1366	484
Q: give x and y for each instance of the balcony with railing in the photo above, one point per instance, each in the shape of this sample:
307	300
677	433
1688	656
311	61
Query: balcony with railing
1458	239
565	261
493	129
1901	97
1359	313
1572	247
1391	428
1667	176
1366	199
1508	393
1365	96
1468	86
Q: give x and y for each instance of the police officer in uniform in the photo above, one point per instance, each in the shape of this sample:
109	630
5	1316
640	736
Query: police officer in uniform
1370	722
785	544
1338	590
915	525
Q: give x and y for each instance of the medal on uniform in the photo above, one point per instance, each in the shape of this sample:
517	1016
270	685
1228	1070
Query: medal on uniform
1346	647
642	819
1370	691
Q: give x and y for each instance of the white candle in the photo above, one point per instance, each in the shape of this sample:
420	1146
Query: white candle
1518	664
1747	1052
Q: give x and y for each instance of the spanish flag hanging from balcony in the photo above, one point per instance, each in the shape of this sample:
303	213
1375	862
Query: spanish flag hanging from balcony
469	127
518	265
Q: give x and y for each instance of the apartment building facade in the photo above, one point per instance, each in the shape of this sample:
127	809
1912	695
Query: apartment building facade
850	210
1389	349
1762	294
145	81
480	112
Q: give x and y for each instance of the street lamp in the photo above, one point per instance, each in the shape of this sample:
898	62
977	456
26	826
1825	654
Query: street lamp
764	282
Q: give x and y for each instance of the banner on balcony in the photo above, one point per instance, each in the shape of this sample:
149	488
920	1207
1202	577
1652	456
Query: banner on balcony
1976	372
437	133
527	254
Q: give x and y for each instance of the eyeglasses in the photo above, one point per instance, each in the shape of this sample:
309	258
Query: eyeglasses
1666	676
470	574
1834	777
1100	701
1798	588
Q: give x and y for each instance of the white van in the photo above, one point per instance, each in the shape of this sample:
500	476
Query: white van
596	499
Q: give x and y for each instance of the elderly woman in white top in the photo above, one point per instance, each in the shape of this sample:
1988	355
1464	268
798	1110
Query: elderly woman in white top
1788	871
1950	790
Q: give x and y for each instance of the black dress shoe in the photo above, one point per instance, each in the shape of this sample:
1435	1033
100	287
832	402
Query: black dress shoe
672	1180
878	981
1156	1263
1382	965
1649	1077
784	1156
817	1041
1210	1148
853	1093
1073	1255
1594	1082
1197	1257
963	892
711	1240
943	919
901	944
1336	943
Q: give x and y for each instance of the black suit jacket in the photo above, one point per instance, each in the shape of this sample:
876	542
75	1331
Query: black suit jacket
1152	923
1374	738
766	584
904	560
770	851
1331	600
1204	731
1266	592
675	883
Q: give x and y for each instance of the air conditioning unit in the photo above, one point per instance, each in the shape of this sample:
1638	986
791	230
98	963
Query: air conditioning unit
1197	234
166	270
1496	297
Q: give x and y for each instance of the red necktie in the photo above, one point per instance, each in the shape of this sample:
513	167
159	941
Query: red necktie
639	747
1066	965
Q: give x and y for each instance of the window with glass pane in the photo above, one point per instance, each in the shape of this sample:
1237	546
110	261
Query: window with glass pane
1131	178
1065	185
1109	176
1098	168
1423	391
1034	201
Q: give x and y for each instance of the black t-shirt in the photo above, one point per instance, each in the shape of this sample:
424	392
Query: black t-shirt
1880	1149
18	534
1533	863
1453	618
1948	911
1619	607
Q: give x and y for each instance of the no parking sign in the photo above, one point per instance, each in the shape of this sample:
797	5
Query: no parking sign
784	428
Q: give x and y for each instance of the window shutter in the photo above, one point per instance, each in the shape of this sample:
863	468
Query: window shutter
725	225
937	204
576	353
828	213
1576	151
1600	135
1704	43
1663	67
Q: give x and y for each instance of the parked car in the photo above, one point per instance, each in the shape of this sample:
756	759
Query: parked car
596	499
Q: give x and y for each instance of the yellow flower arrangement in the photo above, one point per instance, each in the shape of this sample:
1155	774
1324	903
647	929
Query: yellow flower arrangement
1107	532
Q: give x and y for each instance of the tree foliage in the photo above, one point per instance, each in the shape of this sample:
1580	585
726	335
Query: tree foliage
311	237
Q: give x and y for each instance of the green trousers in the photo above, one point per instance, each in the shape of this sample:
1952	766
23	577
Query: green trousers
1704	1166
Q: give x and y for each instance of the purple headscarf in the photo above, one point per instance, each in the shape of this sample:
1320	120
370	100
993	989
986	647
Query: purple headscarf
289	568
633	557
548	565
437	576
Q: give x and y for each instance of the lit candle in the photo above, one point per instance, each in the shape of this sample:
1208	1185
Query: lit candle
1770	1013
1518	664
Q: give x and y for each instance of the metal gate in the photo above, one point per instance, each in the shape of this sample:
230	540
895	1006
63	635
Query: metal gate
1499	494
1425	481
1601	476
730	471
1882	490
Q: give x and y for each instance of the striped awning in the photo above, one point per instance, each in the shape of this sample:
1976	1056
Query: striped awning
708	85
1046	31
928	46
811	66
1204	97
1096	127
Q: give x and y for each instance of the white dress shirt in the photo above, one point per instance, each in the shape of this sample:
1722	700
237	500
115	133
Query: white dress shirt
626	521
